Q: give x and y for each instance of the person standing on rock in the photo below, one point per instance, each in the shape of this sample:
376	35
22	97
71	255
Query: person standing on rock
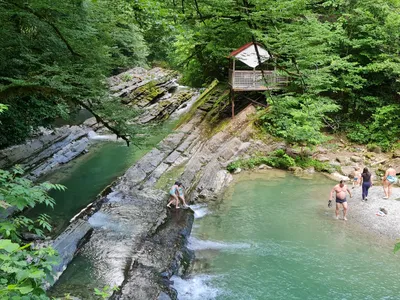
173	195
181	194
340	190
388	180
366	183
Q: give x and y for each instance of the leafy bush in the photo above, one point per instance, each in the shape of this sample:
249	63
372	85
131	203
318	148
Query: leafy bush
23	269
359	134
384	130
277	159
297	119
305	162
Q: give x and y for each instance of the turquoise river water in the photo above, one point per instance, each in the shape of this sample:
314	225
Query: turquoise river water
272	237
88	175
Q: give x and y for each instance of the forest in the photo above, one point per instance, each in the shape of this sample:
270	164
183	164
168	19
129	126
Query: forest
342	58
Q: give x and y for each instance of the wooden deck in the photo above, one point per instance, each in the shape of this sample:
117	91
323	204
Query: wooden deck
254	81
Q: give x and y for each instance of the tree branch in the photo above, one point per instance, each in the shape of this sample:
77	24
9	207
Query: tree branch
28	90
43	19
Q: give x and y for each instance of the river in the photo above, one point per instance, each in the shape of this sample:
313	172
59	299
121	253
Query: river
273	237
88	175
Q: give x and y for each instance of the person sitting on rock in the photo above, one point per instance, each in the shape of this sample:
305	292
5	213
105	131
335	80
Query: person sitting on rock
357	177
173	195
181	194
388	180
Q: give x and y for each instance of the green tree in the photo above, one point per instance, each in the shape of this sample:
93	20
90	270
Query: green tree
24	269
56	56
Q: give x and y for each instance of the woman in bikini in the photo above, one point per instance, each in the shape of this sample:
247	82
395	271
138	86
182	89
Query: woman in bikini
388	180
173	197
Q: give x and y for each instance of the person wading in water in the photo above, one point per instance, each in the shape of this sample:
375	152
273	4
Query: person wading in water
340	190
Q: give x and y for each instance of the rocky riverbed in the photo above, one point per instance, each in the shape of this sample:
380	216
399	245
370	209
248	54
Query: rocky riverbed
140	244
154	92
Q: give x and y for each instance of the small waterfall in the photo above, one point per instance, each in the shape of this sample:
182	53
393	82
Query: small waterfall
106	137
198	287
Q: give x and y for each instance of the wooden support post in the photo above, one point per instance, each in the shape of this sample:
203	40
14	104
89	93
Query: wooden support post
233	103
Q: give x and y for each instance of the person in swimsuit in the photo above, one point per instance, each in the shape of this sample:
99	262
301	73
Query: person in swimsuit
173	195
366	179
181	194
340	190
388	180
357	177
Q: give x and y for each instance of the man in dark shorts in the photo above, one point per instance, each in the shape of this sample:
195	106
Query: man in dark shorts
340	190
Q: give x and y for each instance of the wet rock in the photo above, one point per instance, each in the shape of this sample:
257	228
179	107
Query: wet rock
44	153
164	296
68	242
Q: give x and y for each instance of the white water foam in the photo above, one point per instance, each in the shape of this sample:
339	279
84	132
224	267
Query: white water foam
107	137
200	210
198	287
186	107
196	244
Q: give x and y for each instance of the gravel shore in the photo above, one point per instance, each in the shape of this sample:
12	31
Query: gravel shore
364	212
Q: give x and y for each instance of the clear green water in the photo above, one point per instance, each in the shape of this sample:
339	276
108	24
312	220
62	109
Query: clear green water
89	174
273	237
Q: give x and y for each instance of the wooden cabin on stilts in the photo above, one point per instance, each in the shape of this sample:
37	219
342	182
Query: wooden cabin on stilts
244	75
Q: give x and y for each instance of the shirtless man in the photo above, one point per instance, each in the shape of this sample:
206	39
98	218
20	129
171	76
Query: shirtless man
388	180
340	190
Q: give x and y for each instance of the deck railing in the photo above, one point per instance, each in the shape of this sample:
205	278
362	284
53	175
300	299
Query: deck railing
253	80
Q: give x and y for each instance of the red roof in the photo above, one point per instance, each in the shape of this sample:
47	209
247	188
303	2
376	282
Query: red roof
244	47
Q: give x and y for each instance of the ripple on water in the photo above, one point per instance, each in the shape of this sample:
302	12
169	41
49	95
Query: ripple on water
196	245
198	287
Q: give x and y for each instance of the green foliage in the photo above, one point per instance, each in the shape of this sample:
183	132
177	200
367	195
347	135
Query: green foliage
396	247
306	162
277	159
56	55
24	269
297	120
359	134
105	292
341	56
384	130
